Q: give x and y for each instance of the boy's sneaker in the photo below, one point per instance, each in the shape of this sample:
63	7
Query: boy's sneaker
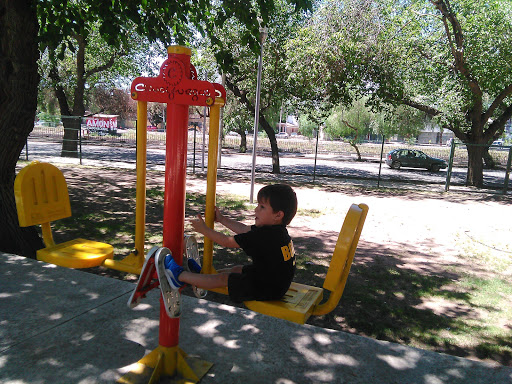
170	294
193	266
172	271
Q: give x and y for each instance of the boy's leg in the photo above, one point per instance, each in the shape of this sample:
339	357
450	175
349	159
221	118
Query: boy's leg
177	276
218	280
235	269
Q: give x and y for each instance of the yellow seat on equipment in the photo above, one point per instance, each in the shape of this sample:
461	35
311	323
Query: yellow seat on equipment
302	301
42	196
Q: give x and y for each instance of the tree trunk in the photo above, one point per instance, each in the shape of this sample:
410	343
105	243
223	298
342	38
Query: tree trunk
243	142
488	160
71	117
475	175
263	122
354	145
70	139
18	101
273	144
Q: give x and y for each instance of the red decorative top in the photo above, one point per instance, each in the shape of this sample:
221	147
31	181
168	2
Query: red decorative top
177	84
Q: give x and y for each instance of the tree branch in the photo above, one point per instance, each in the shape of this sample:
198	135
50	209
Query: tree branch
421	107
497	101
457	44
59	91
105	66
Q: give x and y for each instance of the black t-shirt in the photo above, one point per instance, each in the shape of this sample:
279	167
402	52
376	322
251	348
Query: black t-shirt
273	257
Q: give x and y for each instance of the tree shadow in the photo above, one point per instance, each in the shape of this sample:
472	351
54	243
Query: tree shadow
384	298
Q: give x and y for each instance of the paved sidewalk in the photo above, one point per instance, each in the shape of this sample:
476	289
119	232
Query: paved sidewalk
66	326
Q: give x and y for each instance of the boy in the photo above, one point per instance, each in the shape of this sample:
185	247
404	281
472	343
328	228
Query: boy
267	242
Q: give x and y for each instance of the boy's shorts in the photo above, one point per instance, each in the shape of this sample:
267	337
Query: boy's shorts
247	286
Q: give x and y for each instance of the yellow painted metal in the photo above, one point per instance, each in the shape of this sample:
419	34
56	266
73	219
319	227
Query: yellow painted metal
302	301
171	362
295	306
211	182
46	229
134	261
179	50
130	264
342	248
140	204
223	291
342	258
42	196
77	253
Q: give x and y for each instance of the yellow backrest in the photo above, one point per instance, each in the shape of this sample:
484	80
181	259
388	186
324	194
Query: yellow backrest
41	194
345	247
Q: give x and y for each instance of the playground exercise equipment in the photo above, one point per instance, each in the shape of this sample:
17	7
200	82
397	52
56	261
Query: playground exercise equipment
42	196
178	87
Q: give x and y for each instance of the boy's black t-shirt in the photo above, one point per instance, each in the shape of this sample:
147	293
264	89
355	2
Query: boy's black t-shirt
271	250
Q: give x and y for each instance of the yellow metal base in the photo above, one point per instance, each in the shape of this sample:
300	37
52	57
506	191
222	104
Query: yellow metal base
131	264
164	361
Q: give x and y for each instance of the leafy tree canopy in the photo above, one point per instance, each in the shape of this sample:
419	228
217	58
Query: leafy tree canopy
451	59
171	22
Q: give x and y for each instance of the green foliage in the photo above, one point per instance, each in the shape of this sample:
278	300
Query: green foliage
237	118
450	60
401	120
307	127
48	117
352	123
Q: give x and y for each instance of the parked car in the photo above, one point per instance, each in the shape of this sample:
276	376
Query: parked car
498	142
412	158
281	135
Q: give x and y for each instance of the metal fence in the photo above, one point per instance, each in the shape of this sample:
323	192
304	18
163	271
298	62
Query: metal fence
335	161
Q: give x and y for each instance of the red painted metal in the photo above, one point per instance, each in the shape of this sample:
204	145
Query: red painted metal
174	203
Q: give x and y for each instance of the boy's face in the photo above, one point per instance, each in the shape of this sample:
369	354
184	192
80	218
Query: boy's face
265	215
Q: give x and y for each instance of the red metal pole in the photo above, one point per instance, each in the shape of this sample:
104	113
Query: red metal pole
174	199
174	204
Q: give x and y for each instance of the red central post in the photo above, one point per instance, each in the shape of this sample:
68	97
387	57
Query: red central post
174	204
174	197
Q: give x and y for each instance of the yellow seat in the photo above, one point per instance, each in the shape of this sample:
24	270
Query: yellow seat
302	301
42	196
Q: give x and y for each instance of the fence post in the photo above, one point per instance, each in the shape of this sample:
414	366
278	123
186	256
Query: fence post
80	139
450	166
194	157
316	154
507	172
380	162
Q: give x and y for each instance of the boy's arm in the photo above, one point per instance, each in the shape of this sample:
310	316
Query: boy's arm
234	225
219	238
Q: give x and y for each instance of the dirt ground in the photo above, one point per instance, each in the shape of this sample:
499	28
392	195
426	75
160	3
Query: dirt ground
424	240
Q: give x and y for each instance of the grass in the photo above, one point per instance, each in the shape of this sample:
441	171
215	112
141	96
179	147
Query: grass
463	309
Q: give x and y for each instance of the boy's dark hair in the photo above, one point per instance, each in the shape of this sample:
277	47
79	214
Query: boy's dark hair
281	197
